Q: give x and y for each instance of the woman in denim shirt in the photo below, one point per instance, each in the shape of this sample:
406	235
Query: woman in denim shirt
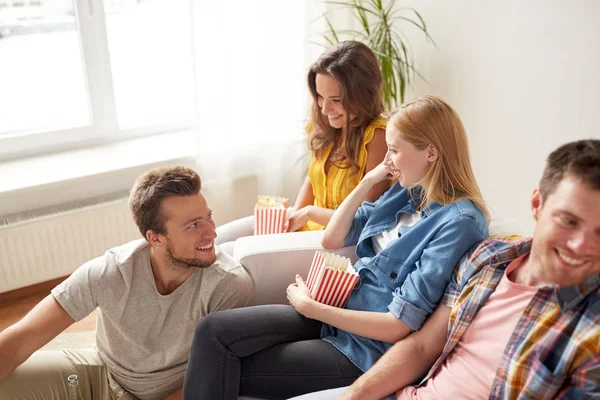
408	243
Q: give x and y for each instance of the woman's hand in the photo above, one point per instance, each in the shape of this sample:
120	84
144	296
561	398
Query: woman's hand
298	219
379	173
299	297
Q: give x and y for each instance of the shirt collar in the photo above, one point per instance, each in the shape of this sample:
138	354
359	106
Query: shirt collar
517	246
567	296
413	203
430	209
570	296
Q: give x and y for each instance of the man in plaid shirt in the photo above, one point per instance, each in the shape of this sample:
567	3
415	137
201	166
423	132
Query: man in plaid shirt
521	316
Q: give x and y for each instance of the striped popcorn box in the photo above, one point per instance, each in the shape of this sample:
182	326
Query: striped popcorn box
271	215
331	279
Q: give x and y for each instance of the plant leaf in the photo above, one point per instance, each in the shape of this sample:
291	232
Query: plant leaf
351	5
318	44
331	29
422	28
378	27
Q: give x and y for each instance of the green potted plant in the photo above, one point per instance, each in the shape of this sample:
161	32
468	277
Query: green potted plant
379	29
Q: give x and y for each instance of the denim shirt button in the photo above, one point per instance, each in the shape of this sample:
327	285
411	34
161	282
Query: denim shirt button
393	275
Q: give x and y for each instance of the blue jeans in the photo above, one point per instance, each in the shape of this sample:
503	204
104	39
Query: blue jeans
269	352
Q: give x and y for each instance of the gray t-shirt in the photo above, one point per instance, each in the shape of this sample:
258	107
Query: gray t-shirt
143	336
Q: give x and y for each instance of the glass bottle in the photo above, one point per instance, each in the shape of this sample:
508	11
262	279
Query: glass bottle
73	387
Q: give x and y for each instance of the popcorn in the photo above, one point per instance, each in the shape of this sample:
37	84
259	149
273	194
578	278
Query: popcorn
271	215
331	279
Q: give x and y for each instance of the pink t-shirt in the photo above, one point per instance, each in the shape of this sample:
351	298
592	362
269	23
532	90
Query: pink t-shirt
469	371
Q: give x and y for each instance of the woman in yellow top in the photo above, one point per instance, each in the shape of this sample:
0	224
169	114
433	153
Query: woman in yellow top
346	135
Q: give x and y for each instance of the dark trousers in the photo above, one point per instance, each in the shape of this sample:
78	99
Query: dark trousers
270	352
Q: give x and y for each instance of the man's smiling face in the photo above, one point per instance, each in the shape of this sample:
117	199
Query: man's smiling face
190	230
566	240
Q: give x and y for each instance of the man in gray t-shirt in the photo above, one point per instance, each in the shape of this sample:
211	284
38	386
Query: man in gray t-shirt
150	294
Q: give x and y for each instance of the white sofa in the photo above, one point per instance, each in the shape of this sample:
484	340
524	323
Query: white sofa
274	260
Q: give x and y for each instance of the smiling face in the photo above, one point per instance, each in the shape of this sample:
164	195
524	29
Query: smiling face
190	231
566	240
407	163
329	99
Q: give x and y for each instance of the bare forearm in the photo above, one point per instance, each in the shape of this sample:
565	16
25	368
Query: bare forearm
377	190
373	325
399	367
341	220
305	195
10	356
320	215
407	361
38	327
15	347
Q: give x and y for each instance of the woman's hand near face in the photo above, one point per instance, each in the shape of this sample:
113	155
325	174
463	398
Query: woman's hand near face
341	221
379	173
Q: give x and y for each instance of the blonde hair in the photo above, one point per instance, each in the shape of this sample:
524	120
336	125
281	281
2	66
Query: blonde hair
429	120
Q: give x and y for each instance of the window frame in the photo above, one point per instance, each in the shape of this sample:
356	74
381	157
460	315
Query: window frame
103	127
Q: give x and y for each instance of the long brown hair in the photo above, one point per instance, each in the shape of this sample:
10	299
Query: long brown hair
429	120
354	65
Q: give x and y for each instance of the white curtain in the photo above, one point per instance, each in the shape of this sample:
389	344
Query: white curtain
251	60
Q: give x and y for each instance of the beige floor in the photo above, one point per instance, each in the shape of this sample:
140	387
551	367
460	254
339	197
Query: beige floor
11	312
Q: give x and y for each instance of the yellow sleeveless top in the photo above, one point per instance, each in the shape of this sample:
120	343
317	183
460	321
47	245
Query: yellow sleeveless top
332	188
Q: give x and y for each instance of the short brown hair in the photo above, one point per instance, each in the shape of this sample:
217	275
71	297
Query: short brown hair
151	188
580	159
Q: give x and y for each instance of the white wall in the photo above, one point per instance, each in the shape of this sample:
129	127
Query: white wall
523	75
251	64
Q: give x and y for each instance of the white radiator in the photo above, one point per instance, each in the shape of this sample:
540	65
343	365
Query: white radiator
40	249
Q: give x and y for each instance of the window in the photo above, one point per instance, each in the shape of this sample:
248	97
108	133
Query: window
89	71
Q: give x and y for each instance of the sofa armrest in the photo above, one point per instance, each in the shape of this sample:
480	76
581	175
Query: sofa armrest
274	260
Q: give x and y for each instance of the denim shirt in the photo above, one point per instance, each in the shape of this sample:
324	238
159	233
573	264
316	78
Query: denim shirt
409	276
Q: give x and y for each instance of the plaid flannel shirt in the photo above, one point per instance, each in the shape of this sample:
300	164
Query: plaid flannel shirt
554	351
